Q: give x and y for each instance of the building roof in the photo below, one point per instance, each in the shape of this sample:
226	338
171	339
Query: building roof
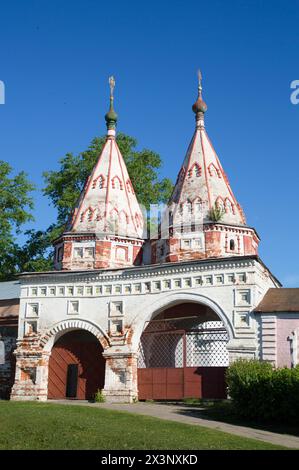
279	300
9	290
108	203
202	182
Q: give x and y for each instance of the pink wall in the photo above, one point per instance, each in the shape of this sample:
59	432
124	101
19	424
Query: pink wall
285	327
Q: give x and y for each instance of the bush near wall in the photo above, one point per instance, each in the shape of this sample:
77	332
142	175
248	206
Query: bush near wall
263	393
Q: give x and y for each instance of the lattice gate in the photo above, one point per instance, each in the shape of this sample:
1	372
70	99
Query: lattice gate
182	358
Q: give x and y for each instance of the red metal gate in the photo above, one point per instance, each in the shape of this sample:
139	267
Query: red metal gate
179	383
181	359
76	348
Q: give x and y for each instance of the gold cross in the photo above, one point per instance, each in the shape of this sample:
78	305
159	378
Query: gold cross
112	85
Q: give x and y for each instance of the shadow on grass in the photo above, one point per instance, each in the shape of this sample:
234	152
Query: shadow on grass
223	411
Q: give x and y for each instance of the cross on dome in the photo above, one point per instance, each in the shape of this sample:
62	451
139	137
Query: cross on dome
111	116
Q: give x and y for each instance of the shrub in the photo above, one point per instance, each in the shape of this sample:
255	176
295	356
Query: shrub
99	397
192	401
216	213
263	393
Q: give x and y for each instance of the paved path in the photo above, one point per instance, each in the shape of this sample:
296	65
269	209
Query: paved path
190	415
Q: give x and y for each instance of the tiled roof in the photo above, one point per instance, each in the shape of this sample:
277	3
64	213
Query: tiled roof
279	300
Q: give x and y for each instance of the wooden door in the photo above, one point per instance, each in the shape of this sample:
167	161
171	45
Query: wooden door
76	367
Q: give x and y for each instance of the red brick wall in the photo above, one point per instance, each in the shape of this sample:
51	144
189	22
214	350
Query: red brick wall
213	244
9	310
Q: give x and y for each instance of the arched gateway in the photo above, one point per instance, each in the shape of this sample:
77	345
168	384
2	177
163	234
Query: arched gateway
183	354
76	366
165	310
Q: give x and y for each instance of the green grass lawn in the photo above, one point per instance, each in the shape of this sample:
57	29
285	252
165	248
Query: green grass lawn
27	425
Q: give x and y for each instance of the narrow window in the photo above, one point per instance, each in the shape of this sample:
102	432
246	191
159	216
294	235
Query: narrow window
232	245
59	253
78	252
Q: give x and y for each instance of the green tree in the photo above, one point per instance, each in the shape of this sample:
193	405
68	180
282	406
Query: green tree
16	204
37	253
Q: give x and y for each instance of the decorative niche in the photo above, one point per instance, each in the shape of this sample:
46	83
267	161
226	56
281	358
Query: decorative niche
30	327
242	319
73	307
116	327
116	309
32	310
243	297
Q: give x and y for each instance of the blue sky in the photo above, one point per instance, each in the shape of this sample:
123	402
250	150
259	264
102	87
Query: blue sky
55	59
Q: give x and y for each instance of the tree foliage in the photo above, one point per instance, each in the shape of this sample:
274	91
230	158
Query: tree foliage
16	204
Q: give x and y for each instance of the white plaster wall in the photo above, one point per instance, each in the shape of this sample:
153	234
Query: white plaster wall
287	326
151	292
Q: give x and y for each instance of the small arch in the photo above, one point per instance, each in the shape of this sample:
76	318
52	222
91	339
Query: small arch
117	183
123	216
213	170
89	212
229	206
47	340
195	169
99	181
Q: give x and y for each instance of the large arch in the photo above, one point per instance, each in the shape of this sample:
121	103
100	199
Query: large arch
146	314
183	348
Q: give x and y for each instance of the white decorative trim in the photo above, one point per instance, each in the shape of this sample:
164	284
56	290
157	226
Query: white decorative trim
269	338
73	323
143	272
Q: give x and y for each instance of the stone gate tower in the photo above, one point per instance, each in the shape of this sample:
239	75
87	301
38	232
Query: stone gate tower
204	219
159	327
106	228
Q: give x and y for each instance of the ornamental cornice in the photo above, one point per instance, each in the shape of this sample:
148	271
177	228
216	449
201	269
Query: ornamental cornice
75	236
146	272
